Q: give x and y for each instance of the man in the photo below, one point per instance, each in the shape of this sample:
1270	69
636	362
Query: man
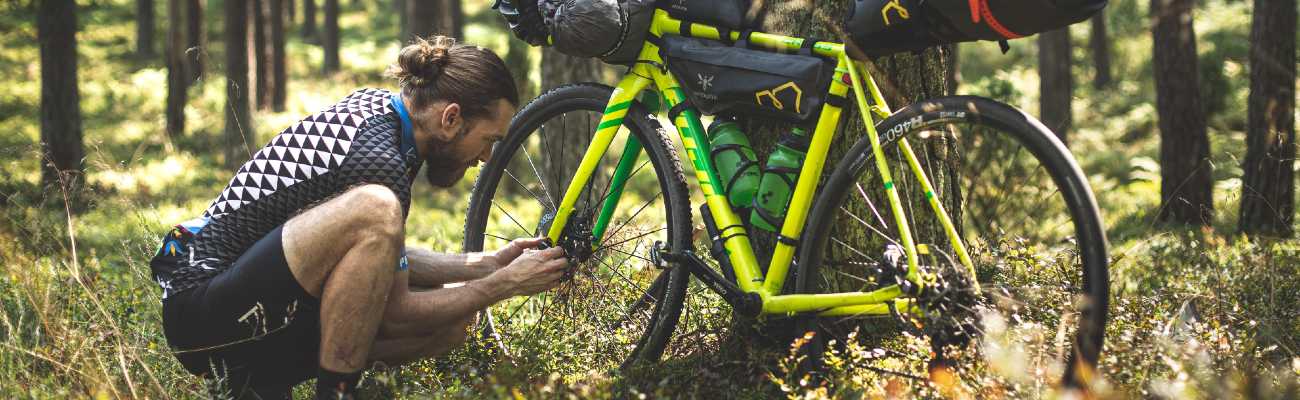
298	268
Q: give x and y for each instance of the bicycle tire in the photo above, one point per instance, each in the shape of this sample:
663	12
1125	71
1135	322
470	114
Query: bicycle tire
1037	140
590	97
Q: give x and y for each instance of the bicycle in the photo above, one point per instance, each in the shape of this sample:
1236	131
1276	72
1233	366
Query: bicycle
625	297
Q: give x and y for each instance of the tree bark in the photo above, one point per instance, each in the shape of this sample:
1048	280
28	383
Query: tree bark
517	59
1268	181
290	11
144	29
331	42
260	53
279	77
61	147
177	73
195	51
239	119
308	31
422	19
1055	83
1185	187
403	21
451	21
1099	42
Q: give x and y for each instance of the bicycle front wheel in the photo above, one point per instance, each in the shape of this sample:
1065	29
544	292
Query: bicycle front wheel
616	308
1018	203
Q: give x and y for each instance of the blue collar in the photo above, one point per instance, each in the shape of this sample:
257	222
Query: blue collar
408	132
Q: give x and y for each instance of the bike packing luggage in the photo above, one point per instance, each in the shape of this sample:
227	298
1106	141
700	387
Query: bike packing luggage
882	27
611	30
734	80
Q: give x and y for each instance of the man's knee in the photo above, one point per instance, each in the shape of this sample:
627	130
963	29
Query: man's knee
455	336
376	211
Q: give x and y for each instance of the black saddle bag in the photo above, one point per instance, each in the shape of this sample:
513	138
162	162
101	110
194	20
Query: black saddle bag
734	80
881	27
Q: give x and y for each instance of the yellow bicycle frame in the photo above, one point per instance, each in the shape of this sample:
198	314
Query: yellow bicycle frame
649	73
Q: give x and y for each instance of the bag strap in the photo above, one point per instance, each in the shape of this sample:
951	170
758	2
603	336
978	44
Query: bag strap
745	166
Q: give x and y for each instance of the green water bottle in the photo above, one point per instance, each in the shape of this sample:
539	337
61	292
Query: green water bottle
779	175
735	160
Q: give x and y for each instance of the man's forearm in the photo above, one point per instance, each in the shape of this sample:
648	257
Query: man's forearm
421	313
433	269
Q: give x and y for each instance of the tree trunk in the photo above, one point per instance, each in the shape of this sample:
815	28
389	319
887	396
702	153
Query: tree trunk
61	147
195	51
331	42
403	21
1185	187
559	69
903	78
953	75
279	77
1055	83
1099	41
177	73
1268	181
308	31
239	121
451	19
422	19
290	11
144	29
259	57
517	59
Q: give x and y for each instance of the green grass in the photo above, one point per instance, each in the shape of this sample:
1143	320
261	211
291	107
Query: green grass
1196	313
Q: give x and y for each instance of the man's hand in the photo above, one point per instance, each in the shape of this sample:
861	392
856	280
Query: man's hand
532	272
506	255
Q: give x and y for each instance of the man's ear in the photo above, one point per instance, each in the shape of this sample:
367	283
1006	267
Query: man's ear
450	120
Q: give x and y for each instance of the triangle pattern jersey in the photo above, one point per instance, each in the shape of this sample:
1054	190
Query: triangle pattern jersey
353	142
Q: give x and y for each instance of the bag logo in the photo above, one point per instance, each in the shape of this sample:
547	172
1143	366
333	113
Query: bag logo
704	80
898	8
771	93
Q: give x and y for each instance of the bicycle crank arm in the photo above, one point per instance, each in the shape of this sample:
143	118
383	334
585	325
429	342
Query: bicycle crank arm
747	304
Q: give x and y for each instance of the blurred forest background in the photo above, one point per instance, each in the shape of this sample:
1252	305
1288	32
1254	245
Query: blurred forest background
123	117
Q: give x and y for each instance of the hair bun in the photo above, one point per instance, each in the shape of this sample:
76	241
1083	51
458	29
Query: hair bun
422	62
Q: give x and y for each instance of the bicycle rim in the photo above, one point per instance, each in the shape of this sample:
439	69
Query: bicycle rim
1027	220
616	307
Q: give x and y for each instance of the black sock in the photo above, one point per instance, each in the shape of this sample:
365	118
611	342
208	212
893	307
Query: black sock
336	385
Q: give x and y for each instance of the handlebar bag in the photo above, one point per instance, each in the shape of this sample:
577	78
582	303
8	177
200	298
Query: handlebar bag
733	80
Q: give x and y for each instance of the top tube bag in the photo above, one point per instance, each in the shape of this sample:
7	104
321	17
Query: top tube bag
721	79
882	27
730	14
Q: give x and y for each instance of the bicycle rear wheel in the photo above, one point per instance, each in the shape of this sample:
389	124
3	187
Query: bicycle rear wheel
1020	205
616	308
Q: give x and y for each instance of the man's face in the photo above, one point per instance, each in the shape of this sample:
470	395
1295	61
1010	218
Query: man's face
471	144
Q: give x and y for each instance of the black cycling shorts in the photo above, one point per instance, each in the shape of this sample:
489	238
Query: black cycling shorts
253	325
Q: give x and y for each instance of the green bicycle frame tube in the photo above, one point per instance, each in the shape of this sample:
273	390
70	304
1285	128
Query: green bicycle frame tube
631	151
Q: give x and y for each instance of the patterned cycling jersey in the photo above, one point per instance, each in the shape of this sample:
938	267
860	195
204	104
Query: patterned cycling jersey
357	141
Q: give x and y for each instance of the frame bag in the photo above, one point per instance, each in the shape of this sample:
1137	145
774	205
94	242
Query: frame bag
728	14
721	79
882	27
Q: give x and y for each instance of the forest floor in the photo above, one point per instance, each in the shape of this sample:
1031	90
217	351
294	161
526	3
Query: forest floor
1195	313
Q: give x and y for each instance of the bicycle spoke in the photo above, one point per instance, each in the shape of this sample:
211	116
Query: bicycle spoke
512	218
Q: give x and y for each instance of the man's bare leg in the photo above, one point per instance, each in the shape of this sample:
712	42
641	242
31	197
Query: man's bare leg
345	251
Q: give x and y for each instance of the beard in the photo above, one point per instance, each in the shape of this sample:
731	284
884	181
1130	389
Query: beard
443	166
